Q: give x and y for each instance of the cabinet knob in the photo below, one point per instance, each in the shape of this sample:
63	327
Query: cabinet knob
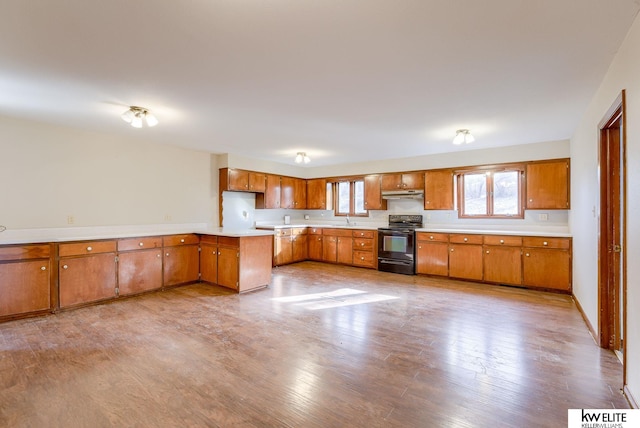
487	251
530	200
527	254
545	243
362	258
65	267
158	255
465	239
141	244
167	254
502	241
182	240
366	203
431	237
362	244
89	248
361	233
43	268
420	247
218	252
452	250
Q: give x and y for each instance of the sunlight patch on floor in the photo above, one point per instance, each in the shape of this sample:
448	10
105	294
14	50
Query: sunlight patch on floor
334	299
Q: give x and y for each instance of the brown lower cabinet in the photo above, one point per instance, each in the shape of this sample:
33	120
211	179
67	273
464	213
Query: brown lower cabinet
181	259
25	279
337	246
87	272
539	262
314	243
139	265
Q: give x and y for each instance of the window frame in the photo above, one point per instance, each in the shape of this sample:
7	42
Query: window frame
352	187
489	172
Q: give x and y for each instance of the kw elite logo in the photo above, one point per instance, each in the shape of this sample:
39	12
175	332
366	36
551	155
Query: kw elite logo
604	418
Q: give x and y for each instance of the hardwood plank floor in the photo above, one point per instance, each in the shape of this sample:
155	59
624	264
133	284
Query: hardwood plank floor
370	349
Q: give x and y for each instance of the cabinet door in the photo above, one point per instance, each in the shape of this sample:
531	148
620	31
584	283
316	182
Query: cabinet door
391	182
547	268
315	247
139	271
24	287
287	192
283	250
465	261
87	279
299	248
438	190
329	249
270	199
238	179
373	193
257	182
209	263
181	264
317	194
344	250
228	267
503	265
413	180
432	258
300	194
548	185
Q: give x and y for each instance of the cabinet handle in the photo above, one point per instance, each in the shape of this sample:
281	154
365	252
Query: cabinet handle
502	241
545	243
43	268
182	240
89	248
65	267
527	254
141	244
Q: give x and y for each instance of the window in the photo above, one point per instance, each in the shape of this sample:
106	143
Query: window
349	198
491	193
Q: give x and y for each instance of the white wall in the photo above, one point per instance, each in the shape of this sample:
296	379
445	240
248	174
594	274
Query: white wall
623	73
49	173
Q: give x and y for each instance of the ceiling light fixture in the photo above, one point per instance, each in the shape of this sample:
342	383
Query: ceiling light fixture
302	157
463	136
139	116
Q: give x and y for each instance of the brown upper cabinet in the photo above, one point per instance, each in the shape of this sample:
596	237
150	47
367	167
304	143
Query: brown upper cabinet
293	193
547	185
372	193
240	180
409	181
271	196
438	189
317	194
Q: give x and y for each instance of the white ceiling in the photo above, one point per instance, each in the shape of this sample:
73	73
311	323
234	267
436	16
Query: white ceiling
343	80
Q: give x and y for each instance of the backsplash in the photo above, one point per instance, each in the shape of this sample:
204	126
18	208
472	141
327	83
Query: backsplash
239	212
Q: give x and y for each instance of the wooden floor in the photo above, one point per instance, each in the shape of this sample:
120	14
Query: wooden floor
355	348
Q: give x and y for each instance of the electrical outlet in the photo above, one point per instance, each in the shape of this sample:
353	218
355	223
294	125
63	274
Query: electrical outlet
167	217
543	217
70	219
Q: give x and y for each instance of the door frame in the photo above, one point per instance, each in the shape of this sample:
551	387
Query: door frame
610	333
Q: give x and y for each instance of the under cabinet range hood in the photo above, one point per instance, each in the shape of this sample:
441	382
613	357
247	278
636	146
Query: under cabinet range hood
403	194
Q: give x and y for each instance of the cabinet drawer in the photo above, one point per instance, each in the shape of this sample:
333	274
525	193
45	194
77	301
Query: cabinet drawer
435	237
283	231
363	234
174	240
209	239
535	241
363	258
139	243
509	241
22	252
363	244
465	239
298	231
337	232
87	247
229	241
314	230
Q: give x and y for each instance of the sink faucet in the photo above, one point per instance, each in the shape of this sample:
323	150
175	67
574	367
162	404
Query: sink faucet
348	221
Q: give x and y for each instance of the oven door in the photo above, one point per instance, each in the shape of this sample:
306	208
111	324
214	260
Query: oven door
396	244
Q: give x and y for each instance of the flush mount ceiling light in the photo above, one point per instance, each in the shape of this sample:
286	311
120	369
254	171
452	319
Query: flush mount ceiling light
139	117
302	157
463	136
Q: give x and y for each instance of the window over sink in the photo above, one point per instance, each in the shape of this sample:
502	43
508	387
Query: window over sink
349	197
